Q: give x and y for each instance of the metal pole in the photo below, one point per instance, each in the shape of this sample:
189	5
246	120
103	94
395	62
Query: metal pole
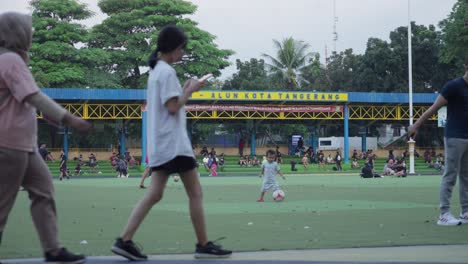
410	81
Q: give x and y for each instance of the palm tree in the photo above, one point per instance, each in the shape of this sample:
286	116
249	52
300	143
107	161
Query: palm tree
292	56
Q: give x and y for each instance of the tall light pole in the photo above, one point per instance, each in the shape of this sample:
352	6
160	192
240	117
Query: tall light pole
411	142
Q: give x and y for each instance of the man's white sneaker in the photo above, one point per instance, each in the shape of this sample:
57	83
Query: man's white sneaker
447	219
464	218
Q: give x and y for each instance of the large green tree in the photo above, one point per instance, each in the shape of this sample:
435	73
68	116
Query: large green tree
343	71
129	35
251	75
291	57
455	36
59	56
315	75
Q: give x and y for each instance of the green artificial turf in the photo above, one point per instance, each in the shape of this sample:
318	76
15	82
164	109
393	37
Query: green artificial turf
318	212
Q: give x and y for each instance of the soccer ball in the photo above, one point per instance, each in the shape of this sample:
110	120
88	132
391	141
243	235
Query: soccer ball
278	196
176	178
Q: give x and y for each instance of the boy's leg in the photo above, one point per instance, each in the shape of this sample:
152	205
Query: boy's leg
13	164
154	195
195	195
262	194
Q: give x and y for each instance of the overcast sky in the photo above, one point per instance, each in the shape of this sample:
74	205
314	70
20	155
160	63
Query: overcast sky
249	26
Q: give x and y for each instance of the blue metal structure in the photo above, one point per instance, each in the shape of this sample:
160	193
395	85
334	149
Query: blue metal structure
139	96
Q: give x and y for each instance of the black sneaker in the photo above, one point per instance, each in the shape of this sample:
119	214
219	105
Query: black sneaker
64	256
211	250
127	249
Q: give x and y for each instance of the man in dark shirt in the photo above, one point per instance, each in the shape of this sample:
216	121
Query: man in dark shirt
45	154
43	151
455	96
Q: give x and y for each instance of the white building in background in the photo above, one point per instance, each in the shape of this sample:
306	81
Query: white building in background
333	143
389	133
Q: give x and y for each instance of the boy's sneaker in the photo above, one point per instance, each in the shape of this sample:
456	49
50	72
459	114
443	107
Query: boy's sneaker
64	256
464	218
211	250
447	219
260	200
127	249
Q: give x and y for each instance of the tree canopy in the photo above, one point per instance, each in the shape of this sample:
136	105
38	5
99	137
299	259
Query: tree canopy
129	35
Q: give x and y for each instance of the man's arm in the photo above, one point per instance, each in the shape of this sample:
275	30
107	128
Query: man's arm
439	102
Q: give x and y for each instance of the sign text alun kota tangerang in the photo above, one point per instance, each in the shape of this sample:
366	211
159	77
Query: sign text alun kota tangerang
269	96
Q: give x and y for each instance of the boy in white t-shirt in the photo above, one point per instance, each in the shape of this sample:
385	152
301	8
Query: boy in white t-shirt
269	171
169	148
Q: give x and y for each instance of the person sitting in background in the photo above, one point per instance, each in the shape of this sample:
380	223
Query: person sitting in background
77	169
242	161
204	151
405	154
400	168
45	154
355	155
115	161
221	162
427	157
80	160
390	169
132	161
433	153
213	152
440	159
363	155
248	161
255	161
330	159
368	172
354	164
206	159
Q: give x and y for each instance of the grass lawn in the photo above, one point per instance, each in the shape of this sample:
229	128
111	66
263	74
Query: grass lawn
319	212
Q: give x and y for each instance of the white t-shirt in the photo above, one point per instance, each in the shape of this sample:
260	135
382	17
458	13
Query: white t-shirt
270	169
167	134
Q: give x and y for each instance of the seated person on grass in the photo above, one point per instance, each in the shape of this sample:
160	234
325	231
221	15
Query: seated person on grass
389	169
248	161
78	169
427	157
368	172
255	161
204	151
330	159
354	164
206	160
242	161
221	162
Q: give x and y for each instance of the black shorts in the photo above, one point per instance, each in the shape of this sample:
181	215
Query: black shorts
179	164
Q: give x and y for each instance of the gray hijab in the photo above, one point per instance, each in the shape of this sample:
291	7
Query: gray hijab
15	33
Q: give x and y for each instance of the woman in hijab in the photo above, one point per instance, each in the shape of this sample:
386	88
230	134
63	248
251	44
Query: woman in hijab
20	160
